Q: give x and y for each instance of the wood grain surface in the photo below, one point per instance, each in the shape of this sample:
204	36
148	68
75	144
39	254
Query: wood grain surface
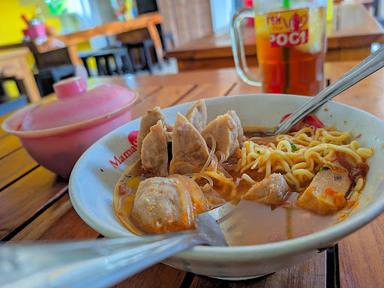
35	203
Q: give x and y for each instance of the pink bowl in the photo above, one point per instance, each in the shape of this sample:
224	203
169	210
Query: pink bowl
59	148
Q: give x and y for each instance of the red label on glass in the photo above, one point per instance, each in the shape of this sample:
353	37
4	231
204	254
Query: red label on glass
288	28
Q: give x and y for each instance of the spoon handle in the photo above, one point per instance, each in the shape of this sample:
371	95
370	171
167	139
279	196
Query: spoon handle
94	263
365	68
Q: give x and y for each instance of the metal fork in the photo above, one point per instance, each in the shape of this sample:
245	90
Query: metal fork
101	262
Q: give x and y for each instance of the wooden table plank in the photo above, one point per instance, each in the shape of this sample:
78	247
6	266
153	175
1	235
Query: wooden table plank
2	118
361	257
242	88
45	220
8	144
191	78
309	273
208	91
312	269
14	166
69	227
123	81
27	197
159	276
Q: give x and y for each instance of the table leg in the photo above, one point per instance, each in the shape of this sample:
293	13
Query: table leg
108	64
29	82
74	55
119	63
85	63
156	41
100	69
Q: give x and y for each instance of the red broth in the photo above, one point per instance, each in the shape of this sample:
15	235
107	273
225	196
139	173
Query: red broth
254	223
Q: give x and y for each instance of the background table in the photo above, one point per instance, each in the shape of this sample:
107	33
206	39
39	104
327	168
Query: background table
147	21
350	36
13	63
35	203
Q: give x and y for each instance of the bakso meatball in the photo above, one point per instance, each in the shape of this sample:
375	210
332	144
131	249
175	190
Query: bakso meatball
272	190
167	204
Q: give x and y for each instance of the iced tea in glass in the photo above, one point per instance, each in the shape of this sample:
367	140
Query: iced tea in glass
290	43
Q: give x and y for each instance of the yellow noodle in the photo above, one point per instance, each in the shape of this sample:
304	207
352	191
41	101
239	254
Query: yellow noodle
247	178
364	152
300	155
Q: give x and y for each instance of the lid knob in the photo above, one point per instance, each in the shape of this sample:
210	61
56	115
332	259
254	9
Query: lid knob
70	87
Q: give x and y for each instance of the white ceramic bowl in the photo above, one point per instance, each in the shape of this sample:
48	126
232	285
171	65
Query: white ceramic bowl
93	179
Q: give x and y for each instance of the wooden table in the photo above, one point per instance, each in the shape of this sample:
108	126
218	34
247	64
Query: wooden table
35	203
13	63
350	36
147	21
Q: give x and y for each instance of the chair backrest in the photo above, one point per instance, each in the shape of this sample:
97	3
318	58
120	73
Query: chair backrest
51	58
146	6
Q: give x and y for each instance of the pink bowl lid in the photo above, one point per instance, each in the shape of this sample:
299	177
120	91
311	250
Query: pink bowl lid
75	104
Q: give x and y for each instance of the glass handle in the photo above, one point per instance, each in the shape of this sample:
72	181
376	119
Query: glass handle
238	47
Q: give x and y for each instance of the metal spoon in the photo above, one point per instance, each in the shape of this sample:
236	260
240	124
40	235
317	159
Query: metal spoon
365	68
101	262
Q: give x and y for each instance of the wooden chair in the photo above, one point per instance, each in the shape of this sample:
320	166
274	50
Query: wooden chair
52	66
141	49
139	44
109	61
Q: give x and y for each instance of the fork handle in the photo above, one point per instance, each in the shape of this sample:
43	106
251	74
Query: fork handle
365	68
107	262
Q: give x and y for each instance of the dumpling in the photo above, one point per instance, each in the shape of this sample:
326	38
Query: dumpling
189	150
240	131
224	131
167	204
326	193
197	115
154	153
147	121
272	190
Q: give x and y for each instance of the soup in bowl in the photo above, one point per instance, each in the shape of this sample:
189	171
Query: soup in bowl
325	174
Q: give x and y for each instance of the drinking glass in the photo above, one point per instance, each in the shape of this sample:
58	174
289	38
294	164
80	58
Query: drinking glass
290	44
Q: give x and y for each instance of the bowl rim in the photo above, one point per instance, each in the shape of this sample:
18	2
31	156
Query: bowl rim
20	114
316	240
